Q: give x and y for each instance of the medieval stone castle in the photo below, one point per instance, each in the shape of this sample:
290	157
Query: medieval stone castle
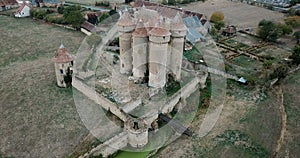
151	45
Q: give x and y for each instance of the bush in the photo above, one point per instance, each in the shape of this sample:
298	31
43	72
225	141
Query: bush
73	16
280	72
103	17
219	24
55	19
60	9
217	16
296	55
38	13
102	3
293	21
267	63
112	12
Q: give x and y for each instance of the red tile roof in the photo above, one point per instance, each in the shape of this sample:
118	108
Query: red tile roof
62	55
8	2
88	26
21	7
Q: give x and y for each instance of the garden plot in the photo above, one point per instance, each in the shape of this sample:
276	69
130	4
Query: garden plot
273	52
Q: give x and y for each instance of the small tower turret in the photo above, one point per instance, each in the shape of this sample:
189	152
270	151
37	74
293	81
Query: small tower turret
178	31
63	63
125	28
137	133
158	50
140	52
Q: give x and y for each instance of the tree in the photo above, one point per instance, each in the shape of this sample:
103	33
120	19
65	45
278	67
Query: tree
280	72
171	2
103	17
285	29
296	55
164	2
268	31
73	16
219	24
60	9
271	31
293	2
217	16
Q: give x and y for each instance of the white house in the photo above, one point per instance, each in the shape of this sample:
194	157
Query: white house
23	11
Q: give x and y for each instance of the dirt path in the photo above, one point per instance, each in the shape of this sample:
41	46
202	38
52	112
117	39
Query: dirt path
280	141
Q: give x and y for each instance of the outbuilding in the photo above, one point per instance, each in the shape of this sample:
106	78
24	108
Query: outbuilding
23	11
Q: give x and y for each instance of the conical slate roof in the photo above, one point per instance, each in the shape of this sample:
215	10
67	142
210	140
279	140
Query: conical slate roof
177	23
125	20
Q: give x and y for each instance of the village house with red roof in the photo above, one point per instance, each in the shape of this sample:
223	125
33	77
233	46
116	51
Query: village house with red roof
8	4
23	10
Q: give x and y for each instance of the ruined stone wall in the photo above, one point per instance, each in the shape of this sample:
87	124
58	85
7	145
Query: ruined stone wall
99	99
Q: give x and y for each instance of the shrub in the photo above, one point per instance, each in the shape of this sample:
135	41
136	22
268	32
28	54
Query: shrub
38	13
73	16
103	17
55	19
217	16
293	21
102	3
60	9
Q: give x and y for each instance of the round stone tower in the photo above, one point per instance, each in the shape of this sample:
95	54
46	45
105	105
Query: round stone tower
125	28
63	63
178	33
158	53
140	49
137	132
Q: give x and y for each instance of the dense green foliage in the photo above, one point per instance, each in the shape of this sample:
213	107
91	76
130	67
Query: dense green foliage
38	13
60	9
296	55
73	16
270	31
293	21
293	2
219	24
102	3
103	17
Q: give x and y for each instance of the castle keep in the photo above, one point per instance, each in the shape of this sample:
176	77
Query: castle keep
151	45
